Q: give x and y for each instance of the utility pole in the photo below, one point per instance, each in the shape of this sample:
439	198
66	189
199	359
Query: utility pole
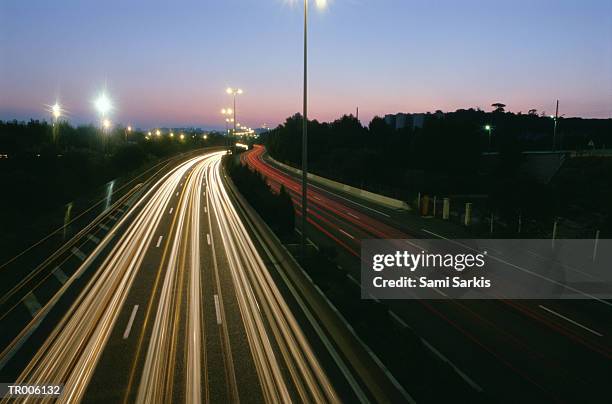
555	128
357	113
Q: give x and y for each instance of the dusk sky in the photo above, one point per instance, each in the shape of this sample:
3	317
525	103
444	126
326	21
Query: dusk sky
167	63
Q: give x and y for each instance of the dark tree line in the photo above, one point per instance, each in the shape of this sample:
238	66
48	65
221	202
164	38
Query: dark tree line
276	209
447	156
49	165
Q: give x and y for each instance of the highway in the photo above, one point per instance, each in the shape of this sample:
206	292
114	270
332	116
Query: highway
175	304
544	350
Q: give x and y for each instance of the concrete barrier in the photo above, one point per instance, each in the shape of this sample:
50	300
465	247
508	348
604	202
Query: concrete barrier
358	192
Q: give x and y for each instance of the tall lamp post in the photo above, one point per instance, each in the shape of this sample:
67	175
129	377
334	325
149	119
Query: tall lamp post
227	112
320	4
234	92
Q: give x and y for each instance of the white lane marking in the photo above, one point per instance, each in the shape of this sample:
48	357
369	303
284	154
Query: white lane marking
93	238
208	238
465	377
171	210
60	275
351	201
398	319
159	240
353	280
439	354
32	303
316	247
570	320
205	209
104	227
177	194
78	253
129	324
352	215
217	309
346	234
440	292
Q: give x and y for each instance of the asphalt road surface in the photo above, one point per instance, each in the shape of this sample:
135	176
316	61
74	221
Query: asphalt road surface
179	307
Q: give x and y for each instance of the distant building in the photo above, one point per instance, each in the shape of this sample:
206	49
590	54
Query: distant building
402	120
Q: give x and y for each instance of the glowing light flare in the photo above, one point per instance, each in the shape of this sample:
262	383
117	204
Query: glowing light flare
319	4
56	110
103	104
233	91
106	124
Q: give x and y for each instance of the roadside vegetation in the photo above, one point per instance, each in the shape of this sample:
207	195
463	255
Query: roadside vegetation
275	208
45	167
446	156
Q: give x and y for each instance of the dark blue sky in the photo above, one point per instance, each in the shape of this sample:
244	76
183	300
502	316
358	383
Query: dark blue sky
168	62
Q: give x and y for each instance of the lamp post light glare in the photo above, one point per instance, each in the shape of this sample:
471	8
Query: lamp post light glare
103	104
106	124
56	111
157	132
182	136
171	134
489	128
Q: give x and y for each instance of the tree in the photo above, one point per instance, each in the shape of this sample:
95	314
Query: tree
499	107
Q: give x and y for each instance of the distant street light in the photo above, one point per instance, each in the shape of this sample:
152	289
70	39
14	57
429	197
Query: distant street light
489	128
171	134
182	136
234	92
157	132
127	130
205	137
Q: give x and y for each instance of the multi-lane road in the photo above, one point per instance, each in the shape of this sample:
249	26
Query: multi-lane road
176	304
544	350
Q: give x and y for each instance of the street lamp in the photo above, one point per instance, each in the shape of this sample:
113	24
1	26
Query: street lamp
234	92
489	128
320	4
127	130
158	133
